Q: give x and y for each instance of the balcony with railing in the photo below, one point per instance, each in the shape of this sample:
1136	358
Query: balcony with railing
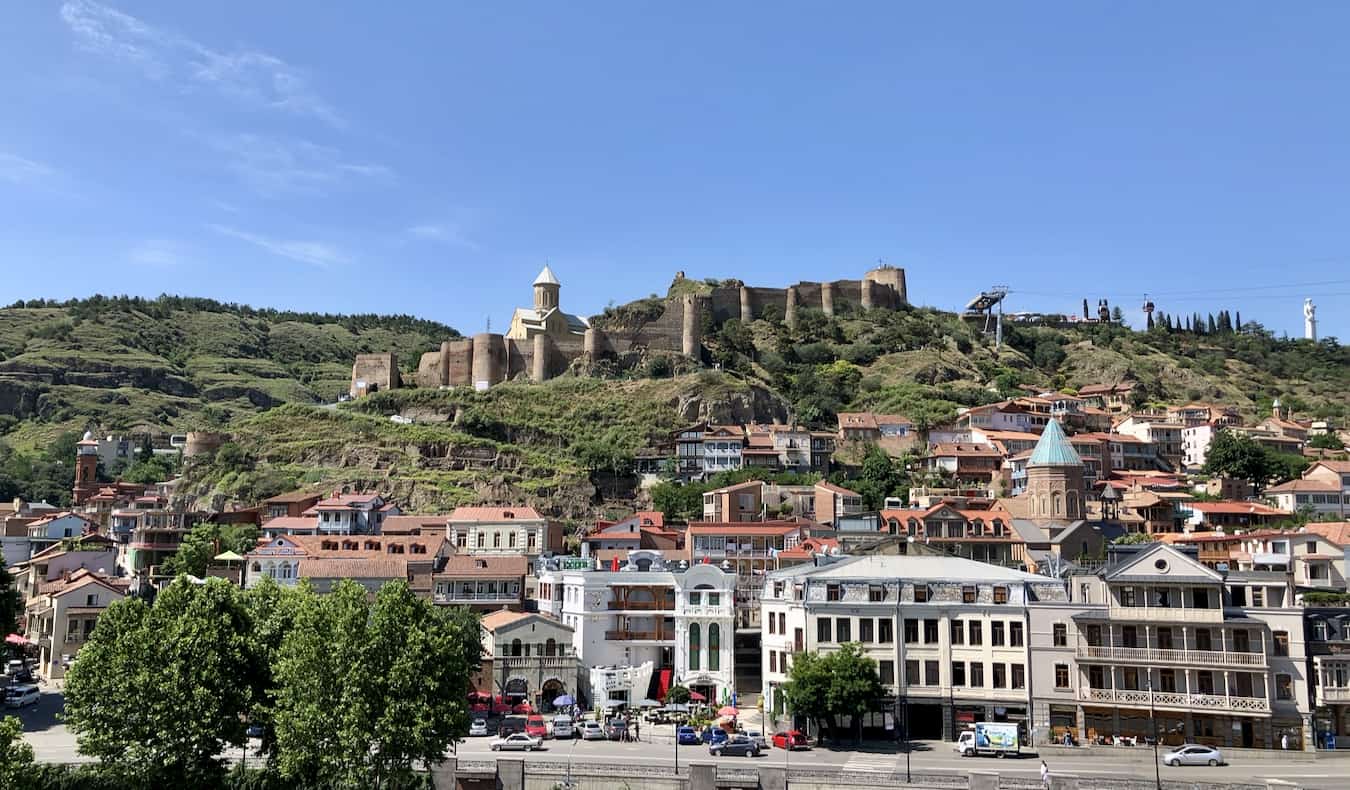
629	635
473	597
531	662
641	606
1161	656
1178	700
1328	695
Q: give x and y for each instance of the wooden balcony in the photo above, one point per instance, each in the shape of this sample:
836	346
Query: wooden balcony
1165	614
1175	700
642	606
640	636
1163	657
1327	695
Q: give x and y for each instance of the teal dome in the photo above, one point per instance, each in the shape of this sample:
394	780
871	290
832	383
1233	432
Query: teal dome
1053	448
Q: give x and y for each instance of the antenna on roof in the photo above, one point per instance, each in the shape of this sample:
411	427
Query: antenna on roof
489	324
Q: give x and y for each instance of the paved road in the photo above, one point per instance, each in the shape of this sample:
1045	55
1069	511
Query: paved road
928	757
52	742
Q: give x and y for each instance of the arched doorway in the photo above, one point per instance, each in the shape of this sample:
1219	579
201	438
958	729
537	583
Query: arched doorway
516	690
551	690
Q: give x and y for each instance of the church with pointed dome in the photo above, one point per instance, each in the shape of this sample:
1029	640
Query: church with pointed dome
546	316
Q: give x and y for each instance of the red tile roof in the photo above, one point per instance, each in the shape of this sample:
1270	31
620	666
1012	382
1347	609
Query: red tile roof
306	523
1235	508
1304	485
467	566
831	487
359	568
502	617
403	525
1337	532
518	513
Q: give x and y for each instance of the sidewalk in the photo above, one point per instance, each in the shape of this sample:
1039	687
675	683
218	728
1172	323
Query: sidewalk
1144	754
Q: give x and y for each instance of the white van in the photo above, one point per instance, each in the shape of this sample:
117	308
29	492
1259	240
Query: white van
563	727
19	696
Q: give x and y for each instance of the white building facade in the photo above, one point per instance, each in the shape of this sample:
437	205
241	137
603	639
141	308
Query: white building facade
647	626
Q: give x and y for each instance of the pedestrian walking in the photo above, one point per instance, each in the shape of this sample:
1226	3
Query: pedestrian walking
1045	776
637	730
1284	741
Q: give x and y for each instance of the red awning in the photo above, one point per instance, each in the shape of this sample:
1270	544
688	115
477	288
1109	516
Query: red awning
697	697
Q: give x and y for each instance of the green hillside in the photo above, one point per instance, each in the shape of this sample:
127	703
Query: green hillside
564	446
171	364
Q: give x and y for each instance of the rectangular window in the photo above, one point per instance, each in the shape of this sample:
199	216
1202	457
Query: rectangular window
1167	680
1019	676
885	630
1060	634
876	593
996	633
1129	636
930	674
1061	676
911	631
958	673
977	674
1284	687
1130	678
831	592
1258	596
773	661
1097	677
911	673
843	629
975	633
1281	643
968	594
1000	594
1127	596
930	632
886	669
865	629
823	630
920	593
1200	598
1164	638
798	640
1000	675
1202	640
773	623
958	632
1205	681
1015	637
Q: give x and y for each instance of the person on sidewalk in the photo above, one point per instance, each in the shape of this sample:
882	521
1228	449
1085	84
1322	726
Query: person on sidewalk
1284	741
1045	776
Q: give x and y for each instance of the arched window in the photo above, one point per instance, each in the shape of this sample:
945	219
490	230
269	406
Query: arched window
977	528
1058	503
894	525
694	646
481	538
257	567
550	648
913	528
1071	504
714	647
515	647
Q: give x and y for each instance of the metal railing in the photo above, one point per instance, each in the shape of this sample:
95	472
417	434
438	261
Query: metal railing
1180	699
639	636
476	597
642	606
1170	656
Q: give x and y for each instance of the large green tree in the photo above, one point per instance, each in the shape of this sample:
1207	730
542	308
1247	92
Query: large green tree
11	604
1236	455
205	541
855	687
160	691
365	692
16	756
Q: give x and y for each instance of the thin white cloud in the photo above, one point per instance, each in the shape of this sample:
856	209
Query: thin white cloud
252	77
277	165
443	232
158	253
19	170
315	253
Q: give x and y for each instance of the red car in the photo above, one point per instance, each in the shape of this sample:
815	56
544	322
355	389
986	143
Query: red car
535	727
781	740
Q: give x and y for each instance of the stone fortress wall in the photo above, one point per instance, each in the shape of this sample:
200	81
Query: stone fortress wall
490	358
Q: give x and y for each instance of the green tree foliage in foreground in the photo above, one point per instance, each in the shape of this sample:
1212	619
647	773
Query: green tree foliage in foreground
828	687
205	541
351	692
16	756
1240	456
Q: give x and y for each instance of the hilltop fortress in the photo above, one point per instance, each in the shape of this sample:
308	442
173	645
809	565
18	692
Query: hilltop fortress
543	341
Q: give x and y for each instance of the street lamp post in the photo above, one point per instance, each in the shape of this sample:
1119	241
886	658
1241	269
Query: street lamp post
904	712
1153	725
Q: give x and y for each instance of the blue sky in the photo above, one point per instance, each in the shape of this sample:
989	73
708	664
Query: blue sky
429	157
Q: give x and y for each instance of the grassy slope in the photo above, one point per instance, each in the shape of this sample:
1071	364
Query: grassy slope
121	369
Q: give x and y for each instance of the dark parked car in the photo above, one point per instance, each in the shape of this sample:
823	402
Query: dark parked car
735	746
713	735
688	736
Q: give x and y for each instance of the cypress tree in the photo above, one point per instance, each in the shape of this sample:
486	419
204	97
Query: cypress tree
1237	325
1212	328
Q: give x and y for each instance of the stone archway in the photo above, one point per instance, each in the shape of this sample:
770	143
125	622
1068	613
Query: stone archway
551	690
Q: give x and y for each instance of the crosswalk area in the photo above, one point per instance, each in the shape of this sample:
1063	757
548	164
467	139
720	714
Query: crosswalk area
871	763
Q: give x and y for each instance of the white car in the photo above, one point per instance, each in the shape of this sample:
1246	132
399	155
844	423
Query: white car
478	728
563	727
19	696
758	738
593	731
1193	754
517	742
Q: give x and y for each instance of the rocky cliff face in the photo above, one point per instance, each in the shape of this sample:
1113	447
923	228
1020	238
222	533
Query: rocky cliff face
755	404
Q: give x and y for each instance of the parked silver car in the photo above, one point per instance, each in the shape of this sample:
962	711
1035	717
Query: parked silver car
1193	754
517	742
